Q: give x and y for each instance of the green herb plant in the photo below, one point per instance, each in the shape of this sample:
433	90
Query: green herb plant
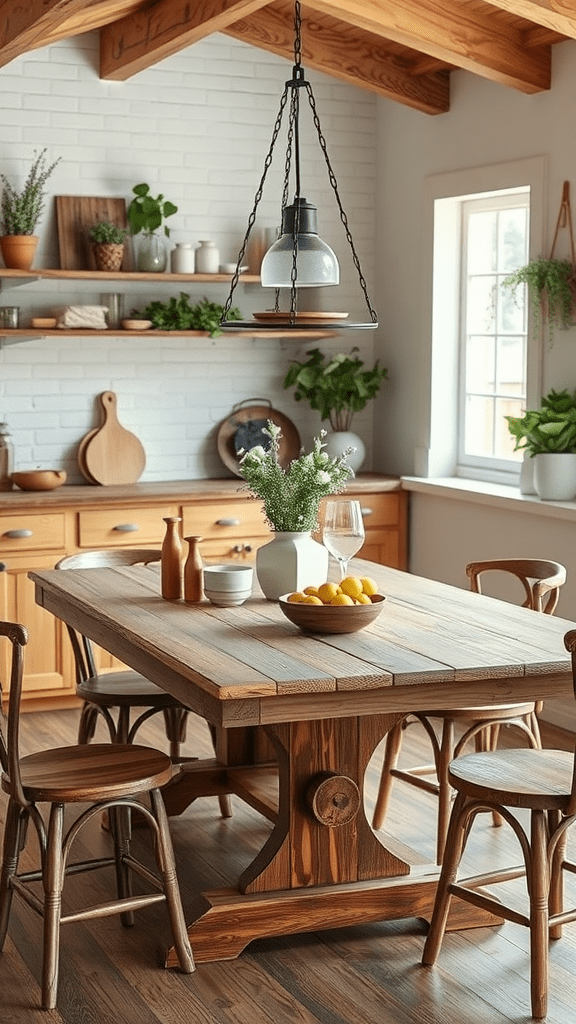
21	210
291	496
106	233
551	287
337	387
551	428
179	315
146	213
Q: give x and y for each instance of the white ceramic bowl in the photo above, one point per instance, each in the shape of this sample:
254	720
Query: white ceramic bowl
228	584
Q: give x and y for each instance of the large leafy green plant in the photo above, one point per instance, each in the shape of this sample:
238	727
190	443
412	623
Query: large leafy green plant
551	292
179	315
337	387
146	213
21	210
551	428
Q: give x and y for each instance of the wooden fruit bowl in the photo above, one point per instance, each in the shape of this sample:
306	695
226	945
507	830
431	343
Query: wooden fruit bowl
39	479
330	618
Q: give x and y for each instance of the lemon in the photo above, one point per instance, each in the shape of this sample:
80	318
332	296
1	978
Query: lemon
363	599
351	585
310	591
369	586
296	598
311	599
342	599
326	591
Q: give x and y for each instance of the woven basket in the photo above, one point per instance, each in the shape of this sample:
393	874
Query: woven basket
108	256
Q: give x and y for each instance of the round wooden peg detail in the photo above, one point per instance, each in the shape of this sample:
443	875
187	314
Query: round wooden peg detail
333	799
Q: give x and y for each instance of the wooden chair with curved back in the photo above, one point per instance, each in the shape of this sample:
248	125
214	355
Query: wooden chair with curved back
112	777
541	783
541	581
123	691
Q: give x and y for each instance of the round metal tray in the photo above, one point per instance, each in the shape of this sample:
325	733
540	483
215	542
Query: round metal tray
243	429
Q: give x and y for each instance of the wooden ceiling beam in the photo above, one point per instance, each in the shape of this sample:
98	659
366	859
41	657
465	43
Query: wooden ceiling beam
345	53
464	37
557	15
149	35
24	26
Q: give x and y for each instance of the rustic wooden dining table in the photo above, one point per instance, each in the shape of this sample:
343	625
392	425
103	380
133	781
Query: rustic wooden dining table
298	718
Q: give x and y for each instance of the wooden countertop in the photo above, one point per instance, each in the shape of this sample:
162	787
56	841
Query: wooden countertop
88	495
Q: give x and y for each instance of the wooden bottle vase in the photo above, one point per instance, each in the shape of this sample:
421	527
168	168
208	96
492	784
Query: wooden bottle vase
172	576
193	572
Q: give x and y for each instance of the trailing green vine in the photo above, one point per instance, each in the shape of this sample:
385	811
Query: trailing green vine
551	286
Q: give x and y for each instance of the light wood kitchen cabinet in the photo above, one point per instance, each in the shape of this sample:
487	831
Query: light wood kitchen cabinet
38	528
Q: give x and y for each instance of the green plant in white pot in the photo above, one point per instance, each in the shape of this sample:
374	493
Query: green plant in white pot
337	387
548	434
145	215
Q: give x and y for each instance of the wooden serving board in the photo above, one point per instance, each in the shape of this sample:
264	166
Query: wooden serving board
75	216
113	455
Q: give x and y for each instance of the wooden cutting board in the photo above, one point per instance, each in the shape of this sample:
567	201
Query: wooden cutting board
113	455
75	216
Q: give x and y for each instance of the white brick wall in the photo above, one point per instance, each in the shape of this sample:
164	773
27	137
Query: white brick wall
196	127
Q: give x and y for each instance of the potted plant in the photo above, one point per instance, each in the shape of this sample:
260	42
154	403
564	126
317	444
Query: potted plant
291	499
145	214
548	434
20	213
107	245
337	387
551	285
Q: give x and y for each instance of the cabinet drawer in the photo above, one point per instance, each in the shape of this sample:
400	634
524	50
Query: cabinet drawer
123	527
378	509
232	550
226	519
27	532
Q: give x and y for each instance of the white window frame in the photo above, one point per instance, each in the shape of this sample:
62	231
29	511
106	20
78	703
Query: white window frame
437	451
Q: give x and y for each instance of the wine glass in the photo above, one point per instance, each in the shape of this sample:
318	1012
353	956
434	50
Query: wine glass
343	531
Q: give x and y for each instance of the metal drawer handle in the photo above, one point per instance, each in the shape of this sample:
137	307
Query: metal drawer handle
127	528
367	512
228	522
3	567
239	548
17	534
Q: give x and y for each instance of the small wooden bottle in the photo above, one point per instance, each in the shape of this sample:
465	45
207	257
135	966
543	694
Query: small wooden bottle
172	561
193	572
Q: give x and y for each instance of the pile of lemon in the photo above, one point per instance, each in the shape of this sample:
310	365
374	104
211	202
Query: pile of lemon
350	590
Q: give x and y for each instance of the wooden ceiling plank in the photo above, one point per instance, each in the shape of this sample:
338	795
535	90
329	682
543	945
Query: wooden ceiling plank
24	26
149	35
466	38
347	54
557	15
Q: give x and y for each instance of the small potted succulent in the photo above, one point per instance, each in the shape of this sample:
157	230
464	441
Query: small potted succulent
337	386
107	244
145	215
548	435
20	213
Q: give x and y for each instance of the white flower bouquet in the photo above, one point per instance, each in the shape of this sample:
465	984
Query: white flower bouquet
291	496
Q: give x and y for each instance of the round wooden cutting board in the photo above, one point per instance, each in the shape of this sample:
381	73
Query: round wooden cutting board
113	455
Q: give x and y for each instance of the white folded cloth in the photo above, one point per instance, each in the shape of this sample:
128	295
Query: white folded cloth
82	316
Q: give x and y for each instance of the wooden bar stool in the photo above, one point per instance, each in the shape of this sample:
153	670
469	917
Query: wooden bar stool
541	581
542	782
123	691
112	777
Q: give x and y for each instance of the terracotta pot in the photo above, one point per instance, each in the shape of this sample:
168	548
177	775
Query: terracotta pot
18	251
108	255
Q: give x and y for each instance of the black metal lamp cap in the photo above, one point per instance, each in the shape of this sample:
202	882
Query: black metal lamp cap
307	217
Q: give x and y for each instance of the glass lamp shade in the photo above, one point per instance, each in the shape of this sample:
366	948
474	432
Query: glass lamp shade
316	262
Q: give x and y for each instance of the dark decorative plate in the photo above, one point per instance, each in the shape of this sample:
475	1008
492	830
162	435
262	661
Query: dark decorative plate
242	431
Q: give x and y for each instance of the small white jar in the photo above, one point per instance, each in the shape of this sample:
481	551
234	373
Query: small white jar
182	258
207	258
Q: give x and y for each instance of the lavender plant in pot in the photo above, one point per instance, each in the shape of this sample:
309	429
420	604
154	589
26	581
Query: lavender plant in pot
20	212
337	386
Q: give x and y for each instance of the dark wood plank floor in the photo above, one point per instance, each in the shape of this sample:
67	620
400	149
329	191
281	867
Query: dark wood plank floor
112	975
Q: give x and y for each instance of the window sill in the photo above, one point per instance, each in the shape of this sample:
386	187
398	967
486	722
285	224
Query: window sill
495	495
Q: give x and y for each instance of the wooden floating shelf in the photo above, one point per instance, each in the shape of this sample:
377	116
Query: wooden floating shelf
25	333
121	275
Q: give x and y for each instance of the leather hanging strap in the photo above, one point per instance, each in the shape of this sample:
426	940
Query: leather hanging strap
564	220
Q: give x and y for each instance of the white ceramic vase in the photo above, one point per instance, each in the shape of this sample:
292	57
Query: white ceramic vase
289	562
338	440
555	476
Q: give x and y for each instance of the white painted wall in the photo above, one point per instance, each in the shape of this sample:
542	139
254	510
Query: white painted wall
487	124
196	127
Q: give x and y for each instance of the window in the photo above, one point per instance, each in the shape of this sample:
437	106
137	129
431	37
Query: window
480	361
493	333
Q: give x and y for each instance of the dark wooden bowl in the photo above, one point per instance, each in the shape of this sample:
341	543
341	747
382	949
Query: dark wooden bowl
329	618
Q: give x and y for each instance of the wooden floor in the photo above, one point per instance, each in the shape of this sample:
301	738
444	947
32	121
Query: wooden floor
365	975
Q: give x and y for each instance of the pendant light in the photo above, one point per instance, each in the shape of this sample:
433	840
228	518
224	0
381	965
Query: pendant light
299	258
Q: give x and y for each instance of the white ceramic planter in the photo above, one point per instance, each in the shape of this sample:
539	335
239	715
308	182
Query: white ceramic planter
339	440
289	562
555	476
